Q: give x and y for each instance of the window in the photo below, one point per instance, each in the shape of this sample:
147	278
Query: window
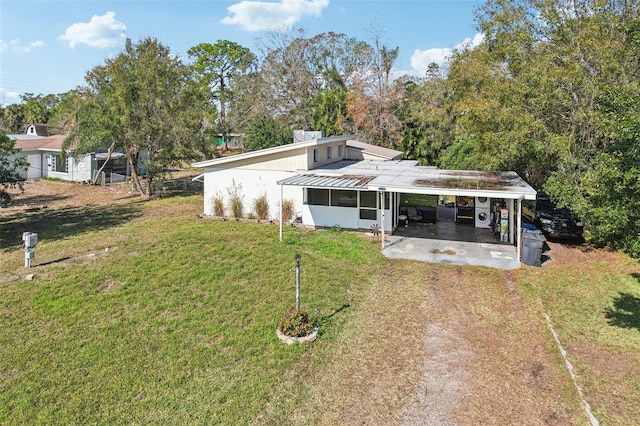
368	214
369	199
315	155
339	150
368	205
57	164
318	197
344	198
329	152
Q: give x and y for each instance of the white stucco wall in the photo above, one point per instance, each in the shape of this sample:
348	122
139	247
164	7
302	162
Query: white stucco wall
77	170
252	184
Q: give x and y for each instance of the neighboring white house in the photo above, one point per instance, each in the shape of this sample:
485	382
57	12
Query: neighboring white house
338	181
44	155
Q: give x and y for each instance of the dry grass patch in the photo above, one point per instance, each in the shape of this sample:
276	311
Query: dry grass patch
593	299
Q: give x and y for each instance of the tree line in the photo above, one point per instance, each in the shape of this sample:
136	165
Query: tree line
552	93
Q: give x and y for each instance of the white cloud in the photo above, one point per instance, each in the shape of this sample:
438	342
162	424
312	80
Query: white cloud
263	16
101	31
421	59
33	45
15	45
8	97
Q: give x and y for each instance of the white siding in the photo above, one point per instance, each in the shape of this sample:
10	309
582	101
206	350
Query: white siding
35	170
288	162
252	184
77	170
321	157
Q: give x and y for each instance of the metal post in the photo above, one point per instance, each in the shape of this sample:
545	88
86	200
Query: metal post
281	199
382	217
297	257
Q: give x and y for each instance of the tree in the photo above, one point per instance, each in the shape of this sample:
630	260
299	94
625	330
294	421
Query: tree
13	118
552	94
373	101
217	66
297	70
62	115
427	117
10	167
264	132
144	103
329	113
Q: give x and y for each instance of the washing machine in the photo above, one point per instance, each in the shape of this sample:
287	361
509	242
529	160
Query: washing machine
483	217
483	212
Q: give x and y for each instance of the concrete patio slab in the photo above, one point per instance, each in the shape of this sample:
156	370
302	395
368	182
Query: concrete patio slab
447	242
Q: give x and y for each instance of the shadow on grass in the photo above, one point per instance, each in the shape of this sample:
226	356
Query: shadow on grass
40	201
51	262
63	223
625	312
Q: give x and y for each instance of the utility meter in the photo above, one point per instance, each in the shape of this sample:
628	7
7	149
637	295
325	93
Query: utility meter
30	239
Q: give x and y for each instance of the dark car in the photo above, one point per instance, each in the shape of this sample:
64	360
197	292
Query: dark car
556	222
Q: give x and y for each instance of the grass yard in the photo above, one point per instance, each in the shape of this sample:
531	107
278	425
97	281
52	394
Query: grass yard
142	313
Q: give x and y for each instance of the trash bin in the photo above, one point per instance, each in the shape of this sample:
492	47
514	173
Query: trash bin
532	244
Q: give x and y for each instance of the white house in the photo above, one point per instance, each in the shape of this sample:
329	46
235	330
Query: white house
338	181
44	155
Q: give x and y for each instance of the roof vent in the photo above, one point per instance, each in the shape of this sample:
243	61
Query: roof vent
306	135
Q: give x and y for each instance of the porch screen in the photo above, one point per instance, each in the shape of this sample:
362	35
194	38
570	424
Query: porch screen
344	198
368	205
318	197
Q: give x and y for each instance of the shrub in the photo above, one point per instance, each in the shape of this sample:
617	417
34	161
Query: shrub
295	323
287	210
235	200
218	205
261	207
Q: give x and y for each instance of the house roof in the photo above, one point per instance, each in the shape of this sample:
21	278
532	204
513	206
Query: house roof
273	150
374	150
48	143
408	177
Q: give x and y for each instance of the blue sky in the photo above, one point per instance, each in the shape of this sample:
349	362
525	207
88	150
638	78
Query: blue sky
49	46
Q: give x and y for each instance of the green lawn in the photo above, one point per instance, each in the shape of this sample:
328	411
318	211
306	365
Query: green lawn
175	324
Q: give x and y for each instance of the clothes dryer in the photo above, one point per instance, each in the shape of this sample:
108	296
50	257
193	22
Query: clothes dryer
483	202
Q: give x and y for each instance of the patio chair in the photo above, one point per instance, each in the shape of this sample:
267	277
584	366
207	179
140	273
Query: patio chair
413	215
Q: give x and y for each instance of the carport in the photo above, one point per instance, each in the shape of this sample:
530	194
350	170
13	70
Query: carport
390	179
506	186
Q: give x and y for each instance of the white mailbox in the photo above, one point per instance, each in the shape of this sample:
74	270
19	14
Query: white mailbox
30	239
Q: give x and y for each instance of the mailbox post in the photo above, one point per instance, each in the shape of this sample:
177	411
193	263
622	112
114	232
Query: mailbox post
30	240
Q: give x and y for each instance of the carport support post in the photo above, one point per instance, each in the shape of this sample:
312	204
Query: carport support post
382	217
281	196
519	229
